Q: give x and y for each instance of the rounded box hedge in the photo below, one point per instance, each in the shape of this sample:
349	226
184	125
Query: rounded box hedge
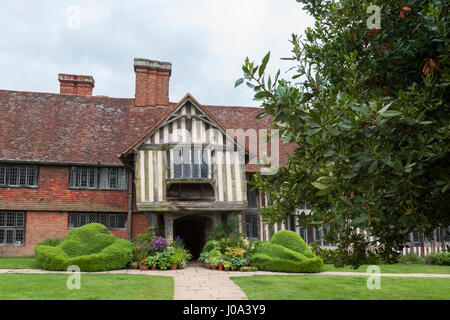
91	247
286	252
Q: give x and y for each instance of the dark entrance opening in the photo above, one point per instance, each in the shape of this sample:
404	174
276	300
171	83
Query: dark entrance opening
193	232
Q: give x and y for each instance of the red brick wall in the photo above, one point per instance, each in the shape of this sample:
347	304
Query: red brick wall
139	224
39	225
54	194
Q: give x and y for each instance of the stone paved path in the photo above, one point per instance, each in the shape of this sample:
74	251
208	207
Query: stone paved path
199	283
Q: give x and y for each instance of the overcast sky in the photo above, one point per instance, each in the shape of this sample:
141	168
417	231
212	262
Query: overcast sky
206	41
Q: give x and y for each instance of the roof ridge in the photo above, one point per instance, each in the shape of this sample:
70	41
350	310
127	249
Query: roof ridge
63	94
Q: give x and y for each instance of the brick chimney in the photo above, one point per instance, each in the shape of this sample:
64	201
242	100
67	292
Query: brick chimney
152	82
76	84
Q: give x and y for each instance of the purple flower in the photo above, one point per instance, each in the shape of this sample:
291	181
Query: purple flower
178	239
159	244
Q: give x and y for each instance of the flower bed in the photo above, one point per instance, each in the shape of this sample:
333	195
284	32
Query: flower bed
155	252
227	254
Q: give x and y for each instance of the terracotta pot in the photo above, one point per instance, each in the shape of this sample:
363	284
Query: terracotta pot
135	267
233	269
208	266
213	267
143	267
180	267
220	267
173	267
153	267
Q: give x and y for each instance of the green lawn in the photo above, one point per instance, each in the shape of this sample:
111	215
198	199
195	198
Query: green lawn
18	263
93	287
319	287
394	268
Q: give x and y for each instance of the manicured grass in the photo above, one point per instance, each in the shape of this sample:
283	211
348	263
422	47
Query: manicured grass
18	263
93	287
394	268
319	287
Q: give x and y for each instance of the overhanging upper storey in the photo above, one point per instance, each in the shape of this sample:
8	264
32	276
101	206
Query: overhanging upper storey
189	162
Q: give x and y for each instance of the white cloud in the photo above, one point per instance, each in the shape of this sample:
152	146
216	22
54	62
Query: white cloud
206	41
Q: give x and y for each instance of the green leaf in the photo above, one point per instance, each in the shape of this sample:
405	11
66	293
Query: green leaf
260	95
325	179
390	113
238	82
359	220
373	166
333	131
261	115
319	185
250	85
262	68
384	109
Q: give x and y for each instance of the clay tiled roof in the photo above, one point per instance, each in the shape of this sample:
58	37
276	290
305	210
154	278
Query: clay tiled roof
75	129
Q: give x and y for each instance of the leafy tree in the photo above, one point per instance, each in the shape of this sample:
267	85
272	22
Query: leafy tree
368	111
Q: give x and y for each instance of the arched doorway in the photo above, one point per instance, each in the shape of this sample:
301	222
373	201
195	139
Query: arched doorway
193	232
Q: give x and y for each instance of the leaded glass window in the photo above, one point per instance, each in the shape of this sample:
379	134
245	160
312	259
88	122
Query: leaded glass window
12	228
113	221
98	178
18	175
188	164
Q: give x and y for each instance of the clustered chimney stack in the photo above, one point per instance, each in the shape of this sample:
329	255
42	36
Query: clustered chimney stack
152	82
76	84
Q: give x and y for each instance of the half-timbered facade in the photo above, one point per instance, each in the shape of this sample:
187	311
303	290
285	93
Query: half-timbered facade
72	158
134	165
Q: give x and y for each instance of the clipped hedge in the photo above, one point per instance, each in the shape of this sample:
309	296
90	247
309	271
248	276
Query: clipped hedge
265	262
439	259
293	241
91	247
286	252
277	251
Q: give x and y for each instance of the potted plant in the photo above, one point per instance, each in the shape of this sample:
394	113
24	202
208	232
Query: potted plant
152	261
176	257
135	265
227	265
214	256
143	265
164	262
203	258
214	263
220	264
185	258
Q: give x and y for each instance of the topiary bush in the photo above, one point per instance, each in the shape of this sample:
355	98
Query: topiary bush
293	241
91	247
278	251
286	252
